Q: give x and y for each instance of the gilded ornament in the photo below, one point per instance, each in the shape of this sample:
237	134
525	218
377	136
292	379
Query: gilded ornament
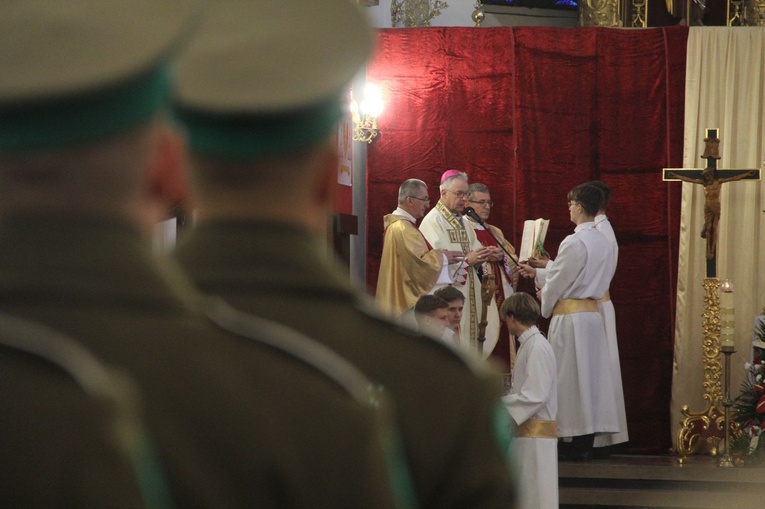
415	13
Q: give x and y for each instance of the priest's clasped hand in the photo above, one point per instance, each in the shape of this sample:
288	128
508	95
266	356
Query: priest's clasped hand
496	254
453	256
478	256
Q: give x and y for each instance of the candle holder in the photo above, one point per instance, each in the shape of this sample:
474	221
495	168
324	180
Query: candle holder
726	460
727	347
701	432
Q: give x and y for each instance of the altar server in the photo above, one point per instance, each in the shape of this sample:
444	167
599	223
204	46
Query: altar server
532	404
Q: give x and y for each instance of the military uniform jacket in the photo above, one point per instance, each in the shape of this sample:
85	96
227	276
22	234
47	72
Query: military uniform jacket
56	442
235	424
448	413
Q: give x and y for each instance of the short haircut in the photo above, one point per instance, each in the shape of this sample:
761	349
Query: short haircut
408	188
429	303
447	184
478	188
521	306
449	294
589	197
604	189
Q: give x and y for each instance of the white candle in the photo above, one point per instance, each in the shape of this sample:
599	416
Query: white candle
726	313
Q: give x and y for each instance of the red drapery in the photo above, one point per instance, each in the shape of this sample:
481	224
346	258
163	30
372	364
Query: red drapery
531	112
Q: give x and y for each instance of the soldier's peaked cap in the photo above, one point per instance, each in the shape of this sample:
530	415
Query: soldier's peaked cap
267	76
77	69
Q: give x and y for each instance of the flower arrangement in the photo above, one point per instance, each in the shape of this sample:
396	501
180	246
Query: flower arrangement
749	405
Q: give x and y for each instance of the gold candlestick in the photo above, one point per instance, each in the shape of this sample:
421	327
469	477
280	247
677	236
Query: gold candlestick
701	432
727	347
726	460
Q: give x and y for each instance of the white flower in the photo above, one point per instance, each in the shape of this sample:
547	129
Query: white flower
753	443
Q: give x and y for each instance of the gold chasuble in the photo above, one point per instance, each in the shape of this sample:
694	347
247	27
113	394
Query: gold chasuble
409	267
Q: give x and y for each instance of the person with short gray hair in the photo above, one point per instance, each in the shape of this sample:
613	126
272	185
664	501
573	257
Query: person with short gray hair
409	266
445	227
503	265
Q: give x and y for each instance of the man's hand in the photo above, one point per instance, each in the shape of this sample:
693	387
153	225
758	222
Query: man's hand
527	270
496	254
478	256
539	263
453	256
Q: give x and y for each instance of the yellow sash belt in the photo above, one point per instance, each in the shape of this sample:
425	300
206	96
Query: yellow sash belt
537	428
605	298
568	306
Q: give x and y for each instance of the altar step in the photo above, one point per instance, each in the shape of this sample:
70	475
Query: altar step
659	482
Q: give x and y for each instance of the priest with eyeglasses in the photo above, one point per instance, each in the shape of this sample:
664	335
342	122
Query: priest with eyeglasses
445	227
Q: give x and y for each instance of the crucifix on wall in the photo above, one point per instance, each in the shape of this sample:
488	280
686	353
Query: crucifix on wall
712	179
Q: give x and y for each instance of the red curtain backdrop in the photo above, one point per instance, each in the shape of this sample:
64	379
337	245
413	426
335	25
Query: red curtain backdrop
532	112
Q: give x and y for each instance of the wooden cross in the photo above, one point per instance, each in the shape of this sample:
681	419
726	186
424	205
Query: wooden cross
712	178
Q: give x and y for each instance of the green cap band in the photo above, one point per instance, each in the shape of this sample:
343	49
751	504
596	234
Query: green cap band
257	136
62	122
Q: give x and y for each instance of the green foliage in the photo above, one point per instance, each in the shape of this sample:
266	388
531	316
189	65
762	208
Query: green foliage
751	423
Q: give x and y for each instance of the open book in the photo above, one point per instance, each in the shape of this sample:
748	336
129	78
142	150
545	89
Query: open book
532	243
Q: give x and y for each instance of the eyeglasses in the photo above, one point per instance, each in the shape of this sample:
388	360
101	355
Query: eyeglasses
458	194
421	199
483	203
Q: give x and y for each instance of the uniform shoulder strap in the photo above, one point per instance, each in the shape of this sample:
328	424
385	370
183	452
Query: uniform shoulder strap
114	389
331	365
280	337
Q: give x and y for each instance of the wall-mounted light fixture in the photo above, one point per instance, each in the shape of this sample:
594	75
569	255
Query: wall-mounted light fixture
365	115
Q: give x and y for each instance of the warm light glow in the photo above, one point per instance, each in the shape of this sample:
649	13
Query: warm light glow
365	115
372	104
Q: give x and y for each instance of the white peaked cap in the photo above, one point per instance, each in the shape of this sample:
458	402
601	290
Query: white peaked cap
271	56
56	48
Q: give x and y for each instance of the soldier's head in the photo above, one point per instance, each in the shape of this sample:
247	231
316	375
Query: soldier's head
260	100
82	85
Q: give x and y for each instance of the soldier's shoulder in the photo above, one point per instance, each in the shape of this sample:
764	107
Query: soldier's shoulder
458	361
